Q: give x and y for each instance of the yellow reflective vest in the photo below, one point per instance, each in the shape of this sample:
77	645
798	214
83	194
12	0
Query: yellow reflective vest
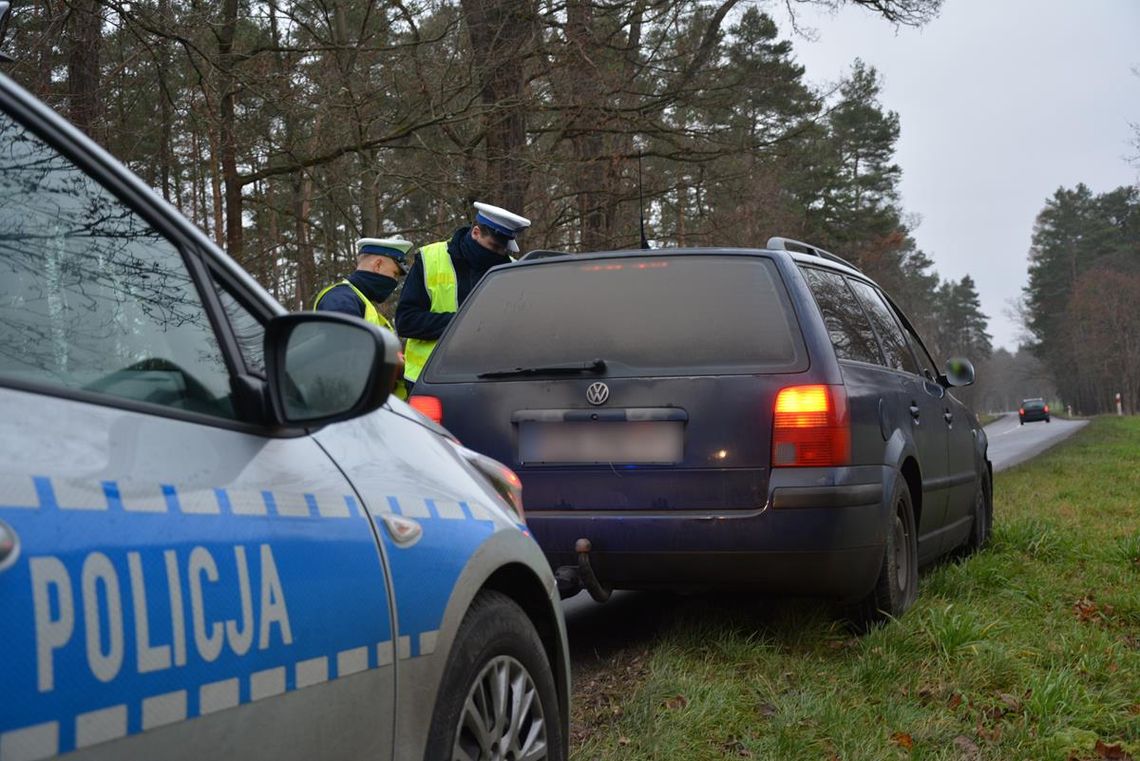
443	288
372	315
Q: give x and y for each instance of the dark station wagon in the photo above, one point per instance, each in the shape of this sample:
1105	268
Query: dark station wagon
693	418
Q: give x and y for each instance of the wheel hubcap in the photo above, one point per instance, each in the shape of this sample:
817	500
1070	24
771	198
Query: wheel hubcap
502	717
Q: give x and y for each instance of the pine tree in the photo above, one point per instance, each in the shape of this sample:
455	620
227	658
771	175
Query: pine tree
1076	234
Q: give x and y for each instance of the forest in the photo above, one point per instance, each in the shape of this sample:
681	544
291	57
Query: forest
1082	303
287	130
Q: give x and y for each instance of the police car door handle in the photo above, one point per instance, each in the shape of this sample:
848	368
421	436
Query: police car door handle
9	546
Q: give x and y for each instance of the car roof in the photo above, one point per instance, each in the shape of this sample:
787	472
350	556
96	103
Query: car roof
542	256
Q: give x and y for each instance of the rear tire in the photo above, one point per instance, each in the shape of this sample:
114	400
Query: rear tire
497	699
897	586
983	526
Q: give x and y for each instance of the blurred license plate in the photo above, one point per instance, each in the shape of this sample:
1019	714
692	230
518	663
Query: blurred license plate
658	442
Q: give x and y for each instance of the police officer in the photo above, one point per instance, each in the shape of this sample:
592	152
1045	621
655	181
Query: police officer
445	273
379	264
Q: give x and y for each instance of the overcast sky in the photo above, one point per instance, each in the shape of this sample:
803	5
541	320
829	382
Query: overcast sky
1000	103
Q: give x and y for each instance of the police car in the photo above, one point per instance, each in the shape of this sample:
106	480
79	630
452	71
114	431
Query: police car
219	535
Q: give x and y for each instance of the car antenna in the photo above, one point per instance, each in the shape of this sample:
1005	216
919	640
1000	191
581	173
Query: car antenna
641	204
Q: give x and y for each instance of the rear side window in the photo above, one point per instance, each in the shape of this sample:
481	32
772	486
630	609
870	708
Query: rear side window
894	346
847	324
668	314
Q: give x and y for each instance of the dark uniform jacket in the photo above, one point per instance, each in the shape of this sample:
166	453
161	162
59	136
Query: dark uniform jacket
414	318
341	298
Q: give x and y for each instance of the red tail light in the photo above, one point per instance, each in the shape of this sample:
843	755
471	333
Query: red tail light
1021	411
810	427
430	406
1046	409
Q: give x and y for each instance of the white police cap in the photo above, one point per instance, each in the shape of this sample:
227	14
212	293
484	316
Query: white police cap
393	248
505	223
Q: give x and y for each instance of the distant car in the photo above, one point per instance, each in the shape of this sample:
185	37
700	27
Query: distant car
717	417
220	537
1032	410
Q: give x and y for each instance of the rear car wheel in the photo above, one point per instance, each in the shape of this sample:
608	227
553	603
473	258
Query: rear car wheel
983	525
897	585
497	701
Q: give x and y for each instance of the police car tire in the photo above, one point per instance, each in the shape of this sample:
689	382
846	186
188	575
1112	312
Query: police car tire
494	626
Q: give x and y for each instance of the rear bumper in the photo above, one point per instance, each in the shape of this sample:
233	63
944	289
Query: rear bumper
1030	417
821	533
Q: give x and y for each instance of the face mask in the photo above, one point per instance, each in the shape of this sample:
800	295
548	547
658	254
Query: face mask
384	287
485	259
480	257
375	286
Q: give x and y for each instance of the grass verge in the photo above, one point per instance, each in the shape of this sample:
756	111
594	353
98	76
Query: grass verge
1029	650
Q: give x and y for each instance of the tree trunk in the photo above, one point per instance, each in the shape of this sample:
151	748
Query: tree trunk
165	159
273	246
84	37
227	90
502	34
369	195
216	189
586	94
623	144
306	267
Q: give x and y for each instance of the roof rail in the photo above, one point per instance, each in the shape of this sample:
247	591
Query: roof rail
788	244
541	254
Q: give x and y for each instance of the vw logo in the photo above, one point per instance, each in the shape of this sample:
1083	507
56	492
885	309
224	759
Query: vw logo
597	393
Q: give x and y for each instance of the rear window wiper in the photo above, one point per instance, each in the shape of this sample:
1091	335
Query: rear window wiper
569	368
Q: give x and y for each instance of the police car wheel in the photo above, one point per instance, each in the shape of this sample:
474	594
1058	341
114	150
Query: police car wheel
497	701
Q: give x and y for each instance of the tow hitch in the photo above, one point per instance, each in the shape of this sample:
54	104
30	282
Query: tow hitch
572	579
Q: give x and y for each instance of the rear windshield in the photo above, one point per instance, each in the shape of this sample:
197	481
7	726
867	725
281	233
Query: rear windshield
669	315
1033	404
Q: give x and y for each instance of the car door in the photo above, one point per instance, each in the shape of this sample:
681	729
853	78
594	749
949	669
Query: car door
961	434
176	581
922	410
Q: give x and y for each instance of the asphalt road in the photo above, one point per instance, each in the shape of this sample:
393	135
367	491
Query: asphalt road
1012	443
599	630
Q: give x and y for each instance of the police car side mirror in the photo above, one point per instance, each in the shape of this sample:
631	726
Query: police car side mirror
327	367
